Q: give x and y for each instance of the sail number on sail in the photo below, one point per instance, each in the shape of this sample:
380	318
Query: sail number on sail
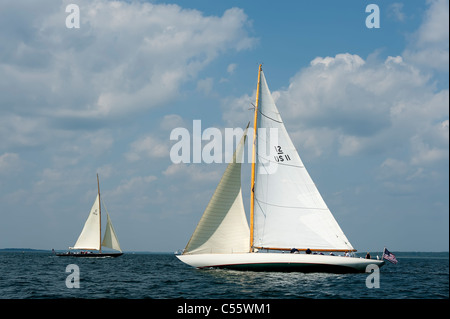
280	156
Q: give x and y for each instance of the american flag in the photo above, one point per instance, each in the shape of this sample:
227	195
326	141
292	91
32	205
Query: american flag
389	256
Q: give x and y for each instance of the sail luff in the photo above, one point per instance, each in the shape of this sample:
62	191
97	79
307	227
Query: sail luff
252	197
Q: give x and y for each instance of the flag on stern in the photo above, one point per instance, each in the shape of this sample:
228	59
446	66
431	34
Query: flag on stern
389	256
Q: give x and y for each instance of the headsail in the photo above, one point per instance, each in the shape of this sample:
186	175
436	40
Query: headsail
110	239
90	235
223	227
289	210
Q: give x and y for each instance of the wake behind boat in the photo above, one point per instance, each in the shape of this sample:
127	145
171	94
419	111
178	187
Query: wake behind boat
287	212
89	243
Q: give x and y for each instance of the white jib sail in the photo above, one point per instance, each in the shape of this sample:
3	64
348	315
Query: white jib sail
110	239
289	210
223	227
90	235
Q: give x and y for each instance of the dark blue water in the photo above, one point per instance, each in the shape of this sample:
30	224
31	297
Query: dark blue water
162	276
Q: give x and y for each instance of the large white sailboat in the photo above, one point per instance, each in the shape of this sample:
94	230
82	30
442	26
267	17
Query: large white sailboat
291	227
90	243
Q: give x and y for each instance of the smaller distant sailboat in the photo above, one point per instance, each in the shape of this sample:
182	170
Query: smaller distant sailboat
89	243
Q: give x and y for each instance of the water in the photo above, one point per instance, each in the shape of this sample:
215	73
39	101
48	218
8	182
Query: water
38	275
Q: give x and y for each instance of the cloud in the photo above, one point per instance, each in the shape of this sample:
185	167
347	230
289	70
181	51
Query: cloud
75	95
126	57
171	121
237	111
430	44
192	173
231	68
132	185
388	110
148	147
205	86
9	162
395	11
353	106
369	106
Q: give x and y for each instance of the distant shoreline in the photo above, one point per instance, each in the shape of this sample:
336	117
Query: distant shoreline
401	254
23	250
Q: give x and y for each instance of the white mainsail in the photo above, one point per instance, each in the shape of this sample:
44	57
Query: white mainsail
223	227
90	235
289	211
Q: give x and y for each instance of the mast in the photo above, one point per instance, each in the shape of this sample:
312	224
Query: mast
252	197
99	213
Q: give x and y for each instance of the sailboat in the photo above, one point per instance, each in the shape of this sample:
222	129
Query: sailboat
291	228
90	237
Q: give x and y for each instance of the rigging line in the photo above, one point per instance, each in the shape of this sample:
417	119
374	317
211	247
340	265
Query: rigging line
264	223
264	140
281	122
297	207
277	128
103	202
260	207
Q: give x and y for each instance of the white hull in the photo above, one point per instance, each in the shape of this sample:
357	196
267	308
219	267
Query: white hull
280	262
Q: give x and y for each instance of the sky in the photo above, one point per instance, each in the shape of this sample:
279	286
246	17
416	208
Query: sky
367	109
